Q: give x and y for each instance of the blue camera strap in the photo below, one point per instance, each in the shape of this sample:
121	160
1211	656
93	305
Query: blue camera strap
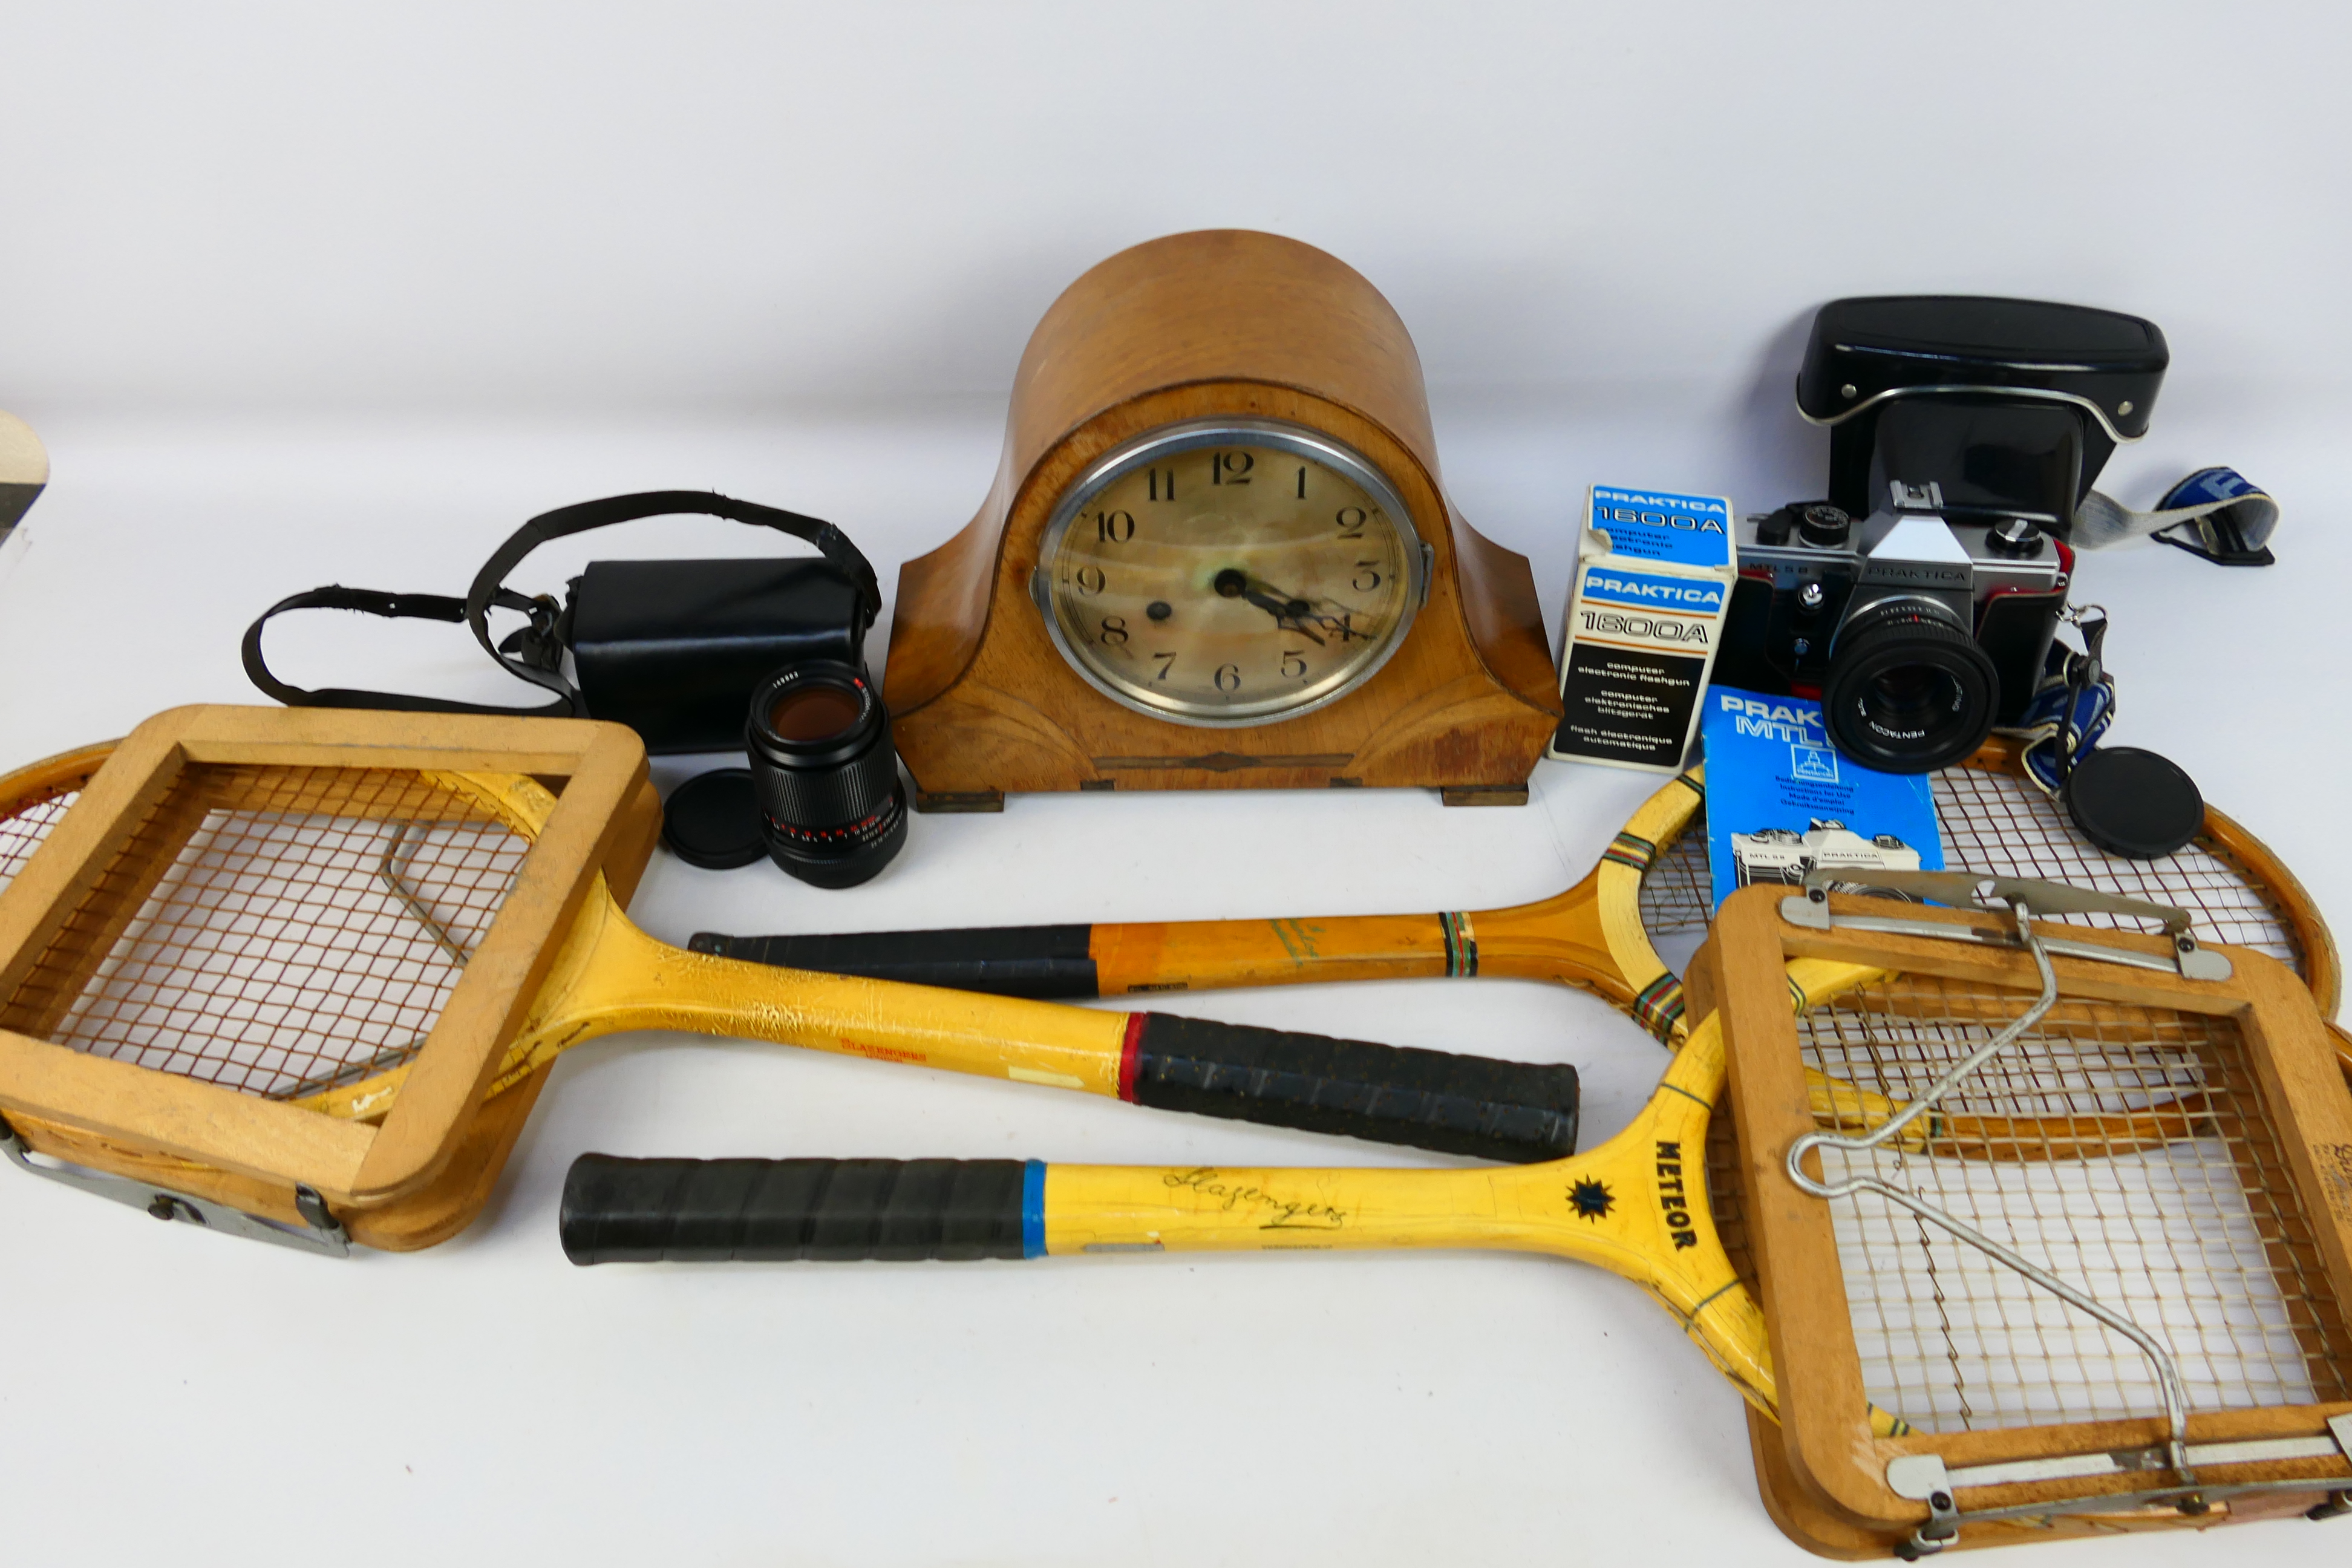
2217	513
2071	708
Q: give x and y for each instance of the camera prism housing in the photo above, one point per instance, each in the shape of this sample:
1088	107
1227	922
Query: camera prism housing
1919	599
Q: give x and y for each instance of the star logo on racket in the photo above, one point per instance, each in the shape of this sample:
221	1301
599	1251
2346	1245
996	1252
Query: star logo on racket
1592	1199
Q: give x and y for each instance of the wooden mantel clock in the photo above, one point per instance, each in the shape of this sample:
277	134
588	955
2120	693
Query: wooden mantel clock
1217	555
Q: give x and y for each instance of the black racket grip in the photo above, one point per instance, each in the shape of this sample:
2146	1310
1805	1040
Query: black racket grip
784	1210
1493	1110
1047	963
1517	1111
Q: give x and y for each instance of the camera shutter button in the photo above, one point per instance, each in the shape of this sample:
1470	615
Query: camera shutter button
2017	538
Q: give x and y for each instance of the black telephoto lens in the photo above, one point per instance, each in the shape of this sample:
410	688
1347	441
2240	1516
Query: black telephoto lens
832	809
1909	690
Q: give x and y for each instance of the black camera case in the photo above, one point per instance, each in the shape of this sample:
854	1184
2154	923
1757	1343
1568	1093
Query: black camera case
671	648
2012	405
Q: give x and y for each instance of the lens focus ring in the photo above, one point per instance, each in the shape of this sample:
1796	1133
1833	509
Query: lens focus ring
833	798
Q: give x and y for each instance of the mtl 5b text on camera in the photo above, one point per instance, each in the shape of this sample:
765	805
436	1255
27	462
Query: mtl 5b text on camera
1653	574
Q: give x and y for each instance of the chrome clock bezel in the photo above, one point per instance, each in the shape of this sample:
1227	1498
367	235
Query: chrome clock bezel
1190	435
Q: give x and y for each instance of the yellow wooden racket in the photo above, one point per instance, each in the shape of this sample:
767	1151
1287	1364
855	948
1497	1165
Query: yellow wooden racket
289	956
1620	932
1638	1206
2232	1241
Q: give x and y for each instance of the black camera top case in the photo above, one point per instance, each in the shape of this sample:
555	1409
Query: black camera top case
2014	405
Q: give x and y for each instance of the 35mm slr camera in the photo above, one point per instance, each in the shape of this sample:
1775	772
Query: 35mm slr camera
1920	598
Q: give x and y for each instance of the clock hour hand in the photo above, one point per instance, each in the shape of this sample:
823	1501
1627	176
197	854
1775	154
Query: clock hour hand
1287	615
1288	612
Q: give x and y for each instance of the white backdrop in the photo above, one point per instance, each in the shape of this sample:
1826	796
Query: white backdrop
300	295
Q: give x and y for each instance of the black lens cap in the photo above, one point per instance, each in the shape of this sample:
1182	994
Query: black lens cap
2133	803
712	820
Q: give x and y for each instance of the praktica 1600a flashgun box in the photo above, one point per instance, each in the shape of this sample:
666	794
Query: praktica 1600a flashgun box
1653	574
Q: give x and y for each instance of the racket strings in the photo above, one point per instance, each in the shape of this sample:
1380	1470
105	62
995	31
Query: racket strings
275	930
22	831
2178	1212
1726	1194
1995	821
1999	823
1678	894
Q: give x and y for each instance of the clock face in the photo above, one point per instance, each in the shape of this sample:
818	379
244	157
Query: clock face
1228	572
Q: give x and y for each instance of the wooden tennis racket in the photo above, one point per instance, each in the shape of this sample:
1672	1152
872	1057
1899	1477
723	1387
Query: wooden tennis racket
1622	933
305	947
33	799
2272	1124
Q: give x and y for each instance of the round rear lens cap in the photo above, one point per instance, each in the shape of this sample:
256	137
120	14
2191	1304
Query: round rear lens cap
2133	803
712	820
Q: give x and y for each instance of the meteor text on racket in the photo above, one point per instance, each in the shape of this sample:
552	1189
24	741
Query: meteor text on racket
1671	1197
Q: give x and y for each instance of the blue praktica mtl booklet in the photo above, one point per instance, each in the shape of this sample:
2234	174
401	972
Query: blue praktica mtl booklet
1780	800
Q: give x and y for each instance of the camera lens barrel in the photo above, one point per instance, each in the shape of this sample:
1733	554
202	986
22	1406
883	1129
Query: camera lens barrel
833	812
1909	690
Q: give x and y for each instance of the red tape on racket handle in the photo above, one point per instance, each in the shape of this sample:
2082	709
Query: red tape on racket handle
772	1211
1515	1111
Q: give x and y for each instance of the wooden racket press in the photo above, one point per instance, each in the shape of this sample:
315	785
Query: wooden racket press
2201	1184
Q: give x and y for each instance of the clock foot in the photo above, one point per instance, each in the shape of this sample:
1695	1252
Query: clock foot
967	800
1484	794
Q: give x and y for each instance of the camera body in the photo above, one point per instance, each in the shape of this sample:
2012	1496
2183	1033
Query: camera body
1920	631
1919	599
